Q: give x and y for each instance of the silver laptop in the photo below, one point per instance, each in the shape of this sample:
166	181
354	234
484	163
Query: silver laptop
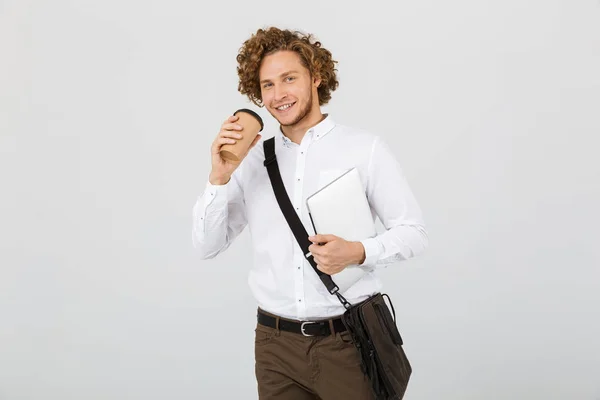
341	208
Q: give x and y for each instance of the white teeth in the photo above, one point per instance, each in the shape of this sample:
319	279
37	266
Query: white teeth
283	107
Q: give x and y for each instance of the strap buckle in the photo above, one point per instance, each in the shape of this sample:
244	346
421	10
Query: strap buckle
270	159
302	327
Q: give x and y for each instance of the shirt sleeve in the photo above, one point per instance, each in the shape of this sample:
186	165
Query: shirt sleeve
219	216
394	203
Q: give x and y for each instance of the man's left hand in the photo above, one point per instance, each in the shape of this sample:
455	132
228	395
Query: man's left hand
335	253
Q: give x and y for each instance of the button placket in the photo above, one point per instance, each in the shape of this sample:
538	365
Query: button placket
297	201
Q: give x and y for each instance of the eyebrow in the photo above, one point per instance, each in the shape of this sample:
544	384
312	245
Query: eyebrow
281	76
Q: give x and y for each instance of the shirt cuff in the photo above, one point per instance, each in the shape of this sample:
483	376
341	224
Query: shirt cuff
216	192
373	250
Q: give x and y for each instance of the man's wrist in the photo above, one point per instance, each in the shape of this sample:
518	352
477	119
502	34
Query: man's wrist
218	180
360	253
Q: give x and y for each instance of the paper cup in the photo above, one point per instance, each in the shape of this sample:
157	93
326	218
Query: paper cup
252	124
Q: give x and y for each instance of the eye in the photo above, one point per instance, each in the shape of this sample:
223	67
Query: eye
266	85
290	78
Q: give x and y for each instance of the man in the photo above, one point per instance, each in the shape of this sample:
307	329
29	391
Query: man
293	76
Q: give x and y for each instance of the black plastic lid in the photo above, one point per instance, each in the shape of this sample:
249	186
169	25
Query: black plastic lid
262	125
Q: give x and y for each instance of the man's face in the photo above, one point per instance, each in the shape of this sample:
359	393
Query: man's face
286	87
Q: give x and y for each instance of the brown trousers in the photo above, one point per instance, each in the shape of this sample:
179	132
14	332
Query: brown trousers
291	366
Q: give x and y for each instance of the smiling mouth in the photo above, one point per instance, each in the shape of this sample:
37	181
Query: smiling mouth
285	107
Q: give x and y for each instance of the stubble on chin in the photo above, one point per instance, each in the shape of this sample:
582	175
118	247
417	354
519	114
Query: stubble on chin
301	114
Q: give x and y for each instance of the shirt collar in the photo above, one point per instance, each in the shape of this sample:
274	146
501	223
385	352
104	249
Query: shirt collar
318	131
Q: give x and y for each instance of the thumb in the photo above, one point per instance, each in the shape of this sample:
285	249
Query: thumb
321	238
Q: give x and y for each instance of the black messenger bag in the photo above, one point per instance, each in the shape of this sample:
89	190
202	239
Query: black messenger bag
370	322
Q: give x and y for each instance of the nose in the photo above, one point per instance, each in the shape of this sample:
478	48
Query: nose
280	93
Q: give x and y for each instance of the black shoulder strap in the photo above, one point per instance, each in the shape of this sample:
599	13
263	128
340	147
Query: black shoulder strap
292	217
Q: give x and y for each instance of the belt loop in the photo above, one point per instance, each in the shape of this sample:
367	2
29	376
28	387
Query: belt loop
331	329
277	322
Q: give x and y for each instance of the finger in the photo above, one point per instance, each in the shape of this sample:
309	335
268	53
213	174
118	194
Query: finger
320	238
231	134
324	268
315	238
316	248
232	118
322	261
231	127
220	142
225	140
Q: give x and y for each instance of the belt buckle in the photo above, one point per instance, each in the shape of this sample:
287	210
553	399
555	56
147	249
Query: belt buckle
302	327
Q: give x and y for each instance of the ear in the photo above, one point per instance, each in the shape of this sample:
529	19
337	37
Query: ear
317	81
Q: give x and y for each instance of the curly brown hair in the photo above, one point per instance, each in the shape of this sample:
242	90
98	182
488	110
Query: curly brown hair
313	56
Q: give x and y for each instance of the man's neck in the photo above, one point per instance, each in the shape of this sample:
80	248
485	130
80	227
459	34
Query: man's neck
296	132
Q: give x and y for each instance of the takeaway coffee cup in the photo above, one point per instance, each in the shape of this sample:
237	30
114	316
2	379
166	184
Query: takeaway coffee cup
252	124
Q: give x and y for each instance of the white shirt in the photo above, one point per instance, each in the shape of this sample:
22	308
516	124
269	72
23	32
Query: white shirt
282	281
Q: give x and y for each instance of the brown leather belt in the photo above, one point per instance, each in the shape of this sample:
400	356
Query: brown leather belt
306	328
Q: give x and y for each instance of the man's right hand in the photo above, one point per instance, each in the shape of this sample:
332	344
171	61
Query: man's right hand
223	169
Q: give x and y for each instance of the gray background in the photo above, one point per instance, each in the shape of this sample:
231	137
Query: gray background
107	113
